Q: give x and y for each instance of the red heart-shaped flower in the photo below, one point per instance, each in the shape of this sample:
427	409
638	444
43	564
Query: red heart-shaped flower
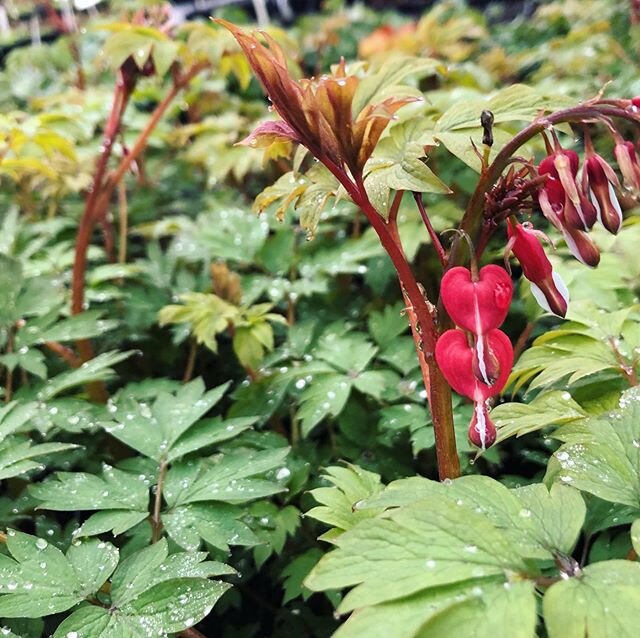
456	360
482	431
477	306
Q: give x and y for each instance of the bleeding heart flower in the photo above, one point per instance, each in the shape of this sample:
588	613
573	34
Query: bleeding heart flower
563	190
456	360
546	285
629	166
555	205
600	181
477	306
482	431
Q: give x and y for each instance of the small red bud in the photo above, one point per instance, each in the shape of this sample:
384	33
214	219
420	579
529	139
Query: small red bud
627	160
482	430
601	181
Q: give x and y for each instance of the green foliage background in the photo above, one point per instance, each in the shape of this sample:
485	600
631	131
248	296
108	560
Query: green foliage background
270	383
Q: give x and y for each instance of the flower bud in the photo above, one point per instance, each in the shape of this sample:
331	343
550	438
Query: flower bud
629	167
562	166
547	286
581	246
601	182
482	431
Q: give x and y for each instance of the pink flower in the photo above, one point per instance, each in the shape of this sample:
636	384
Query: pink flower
546	285
478	304
458	363
563	167
555	206
629	166
600	181
482	431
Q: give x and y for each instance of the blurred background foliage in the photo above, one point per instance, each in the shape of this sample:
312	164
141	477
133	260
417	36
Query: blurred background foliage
310	335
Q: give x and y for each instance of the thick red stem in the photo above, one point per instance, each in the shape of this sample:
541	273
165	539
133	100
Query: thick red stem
424	328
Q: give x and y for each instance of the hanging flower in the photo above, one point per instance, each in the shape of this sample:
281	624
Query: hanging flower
601	182
456	359
547	286
316	113
478	302
627	159
482	431
562	165
554	205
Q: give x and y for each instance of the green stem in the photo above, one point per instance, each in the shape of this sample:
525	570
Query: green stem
156	519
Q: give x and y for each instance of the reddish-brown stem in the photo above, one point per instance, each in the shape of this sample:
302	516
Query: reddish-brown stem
394	208
191	361
102	189
435	240
627	369
522	340
424	328
89	216
191	633
65	353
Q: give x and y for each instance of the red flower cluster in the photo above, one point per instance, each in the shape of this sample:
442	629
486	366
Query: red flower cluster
572	205
476	358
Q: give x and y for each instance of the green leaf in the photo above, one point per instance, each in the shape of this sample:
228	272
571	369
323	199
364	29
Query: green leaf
387	324
71	491
602	602
115	521
296	571
159	605
154	430
83	326
215	523
93	562
516	102
400	159
350	353
10	284
96	622
427	545
16	455
208	432
483	610
601	455
549	408
97	369
230	478
373	88
38	580
556	515
325	396
339	505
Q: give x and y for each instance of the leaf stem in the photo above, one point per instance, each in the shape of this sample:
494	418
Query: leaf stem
156	519
435	240
627	370
191	361
103	186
